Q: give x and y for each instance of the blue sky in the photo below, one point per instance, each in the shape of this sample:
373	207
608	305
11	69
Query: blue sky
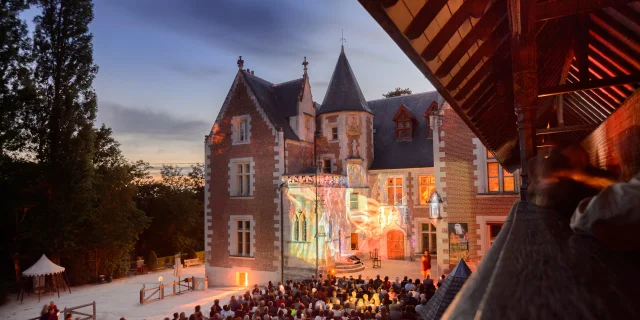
167	65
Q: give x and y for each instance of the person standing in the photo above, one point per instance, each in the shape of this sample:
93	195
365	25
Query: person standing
426	264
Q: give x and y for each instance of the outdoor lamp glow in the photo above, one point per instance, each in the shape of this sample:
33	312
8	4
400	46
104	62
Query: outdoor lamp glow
160	279
435	206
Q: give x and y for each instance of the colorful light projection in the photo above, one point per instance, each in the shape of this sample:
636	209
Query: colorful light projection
336	217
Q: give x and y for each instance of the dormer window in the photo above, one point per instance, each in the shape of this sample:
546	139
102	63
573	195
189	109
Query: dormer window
431	115
405	122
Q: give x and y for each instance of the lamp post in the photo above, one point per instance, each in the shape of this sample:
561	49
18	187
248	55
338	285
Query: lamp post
316	133
435	206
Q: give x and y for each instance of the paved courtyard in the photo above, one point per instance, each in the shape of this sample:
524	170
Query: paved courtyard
120	298
392	269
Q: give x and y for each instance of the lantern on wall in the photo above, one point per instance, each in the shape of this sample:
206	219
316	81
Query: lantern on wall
435	206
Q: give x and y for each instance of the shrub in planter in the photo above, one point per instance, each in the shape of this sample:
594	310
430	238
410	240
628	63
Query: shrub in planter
151	260
191	254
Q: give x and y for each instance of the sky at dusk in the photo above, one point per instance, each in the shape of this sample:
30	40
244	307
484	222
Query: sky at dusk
166	66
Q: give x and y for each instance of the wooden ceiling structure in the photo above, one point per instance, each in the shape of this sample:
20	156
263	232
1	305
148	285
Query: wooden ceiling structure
521	73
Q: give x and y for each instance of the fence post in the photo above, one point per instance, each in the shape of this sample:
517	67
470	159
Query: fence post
142	295
161	291
206	283
94	310
193	283
174	287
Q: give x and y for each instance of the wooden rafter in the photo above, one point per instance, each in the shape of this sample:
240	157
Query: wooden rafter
481	31
632	38
479	105
618	47
388	3
581	46
477	7
444	35
629	13
579	110
593	104
603	53
561	8
586	108
493	44
424	18
473	98
593	84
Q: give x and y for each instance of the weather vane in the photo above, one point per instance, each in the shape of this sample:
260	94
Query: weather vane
342	39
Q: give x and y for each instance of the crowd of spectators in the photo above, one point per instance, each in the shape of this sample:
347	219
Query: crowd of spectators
325	299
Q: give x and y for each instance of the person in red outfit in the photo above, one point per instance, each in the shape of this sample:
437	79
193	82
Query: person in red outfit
426	264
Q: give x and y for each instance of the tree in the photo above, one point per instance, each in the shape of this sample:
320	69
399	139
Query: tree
175	204
397	92
16	87
63	123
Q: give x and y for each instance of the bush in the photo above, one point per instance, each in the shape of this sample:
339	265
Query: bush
151	260
191	254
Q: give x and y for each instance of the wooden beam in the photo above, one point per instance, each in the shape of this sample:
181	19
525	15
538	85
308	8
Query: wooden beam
478	6
621	49
593	84
607	22
424	18
581	46
629	13
493	44
444	35
485	86
559	111
388	3
562	8
481	31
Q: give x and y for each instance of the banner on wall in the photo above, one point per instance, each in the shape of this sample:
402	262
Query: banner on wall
458	243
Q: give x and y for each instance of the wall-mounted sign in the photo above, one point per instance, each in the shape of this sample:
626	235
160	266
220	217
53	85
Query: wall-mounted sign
458	243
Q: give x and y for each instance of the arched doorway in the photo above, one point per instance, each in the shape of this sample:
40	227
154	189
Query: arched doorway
395	245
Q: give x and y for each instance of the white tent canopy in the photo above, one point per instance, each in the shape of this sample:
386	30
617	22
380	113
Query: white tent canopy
43	267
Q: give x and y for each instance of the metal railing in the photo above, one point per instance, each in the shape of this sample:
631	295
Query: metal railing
176	287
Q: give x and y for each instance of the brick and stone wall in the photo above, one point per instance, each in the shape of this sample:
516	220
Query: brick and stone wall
605	143
462	203
264	148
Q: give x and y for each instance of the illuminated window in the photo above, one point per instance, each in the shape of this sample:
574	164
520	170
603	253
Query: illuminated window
427	187
326	165
353	200
243	177
354	241
334	133
242	279
498	179
394	191
243	238
429	242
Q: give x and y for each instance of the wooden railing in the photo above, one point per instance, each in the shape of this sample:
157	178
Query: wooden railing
73	311
170	289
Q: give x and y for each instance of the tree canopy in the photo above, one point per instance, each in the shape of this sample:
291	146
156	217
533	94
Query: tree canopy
397	92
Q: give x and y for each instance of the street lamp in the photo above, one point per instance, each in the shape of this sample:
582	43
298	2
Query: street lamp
435	206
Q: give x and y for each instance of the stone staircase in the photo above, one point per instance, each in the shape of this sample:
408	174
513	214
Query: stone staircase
342	268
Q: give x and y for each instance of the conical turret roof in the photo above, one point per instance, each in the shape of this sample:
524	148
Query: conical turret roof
343	93
448	291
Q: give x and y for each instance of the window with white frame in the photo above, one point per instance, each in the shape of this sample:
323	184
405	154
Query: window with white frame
334	133
394	191
429	240
427	185
492	232
354	202
241	131
243	238
241	176
498	179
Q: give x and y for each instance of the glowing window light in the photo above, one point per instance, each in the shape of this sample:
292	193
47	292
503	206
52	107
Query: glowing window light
242	279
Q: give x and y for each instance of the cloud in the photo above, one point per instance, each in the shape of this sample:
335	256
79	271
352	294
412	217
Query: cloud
194	72
125	120
281	29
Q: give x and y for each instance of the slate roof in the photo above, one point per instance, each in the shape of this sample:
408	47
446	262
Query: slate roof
438	304
391	154
343	92
279	101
